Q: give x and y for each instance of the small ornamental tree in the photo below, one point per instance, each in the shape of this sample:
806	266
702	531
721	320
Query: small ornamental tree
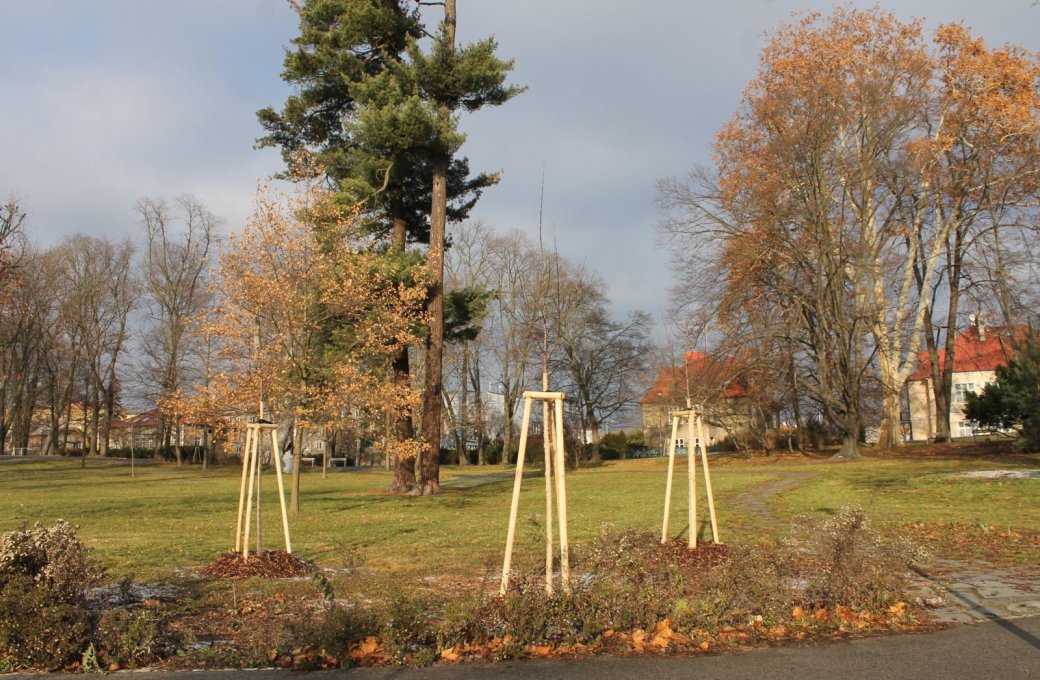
308	318
1013	401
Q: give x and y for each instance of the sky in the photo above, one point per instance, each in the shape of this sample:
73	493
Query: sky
104	102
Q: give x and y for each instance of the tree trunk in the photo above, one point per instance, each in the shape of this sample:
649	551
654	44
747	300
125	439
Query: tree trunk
890	432
429	481
205	447
404	471
463	419
796	410
849	448
177	443
478	412
507	430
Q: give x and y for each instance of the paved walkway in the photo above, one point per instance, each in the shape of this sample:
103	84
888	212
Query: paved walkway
953	591
956	591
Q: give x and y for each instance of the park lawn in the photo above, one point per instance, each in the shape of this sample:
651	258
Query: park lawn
166	521
931	502
923	491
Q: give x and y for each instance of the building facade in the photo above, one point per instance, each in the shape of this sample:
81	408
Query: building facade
978	351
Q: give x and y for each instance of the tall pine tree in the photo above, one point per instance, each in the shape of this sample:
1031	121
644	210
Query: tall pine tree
380	116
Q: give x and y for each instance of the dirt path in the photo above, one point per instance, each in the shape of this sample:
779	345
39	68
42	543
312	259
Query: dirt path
756	499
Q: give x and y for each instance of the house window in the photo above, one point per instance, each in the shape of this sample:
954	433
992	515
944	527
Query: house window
960	391
680	443
198	440
319	445
964	428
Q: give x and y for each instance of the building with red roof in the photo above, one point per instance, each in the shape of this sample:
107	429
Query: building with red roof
978	351
703	380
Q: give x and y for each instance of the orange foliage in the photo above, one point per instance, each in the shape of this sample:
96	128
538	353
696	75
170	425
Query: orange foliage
307	317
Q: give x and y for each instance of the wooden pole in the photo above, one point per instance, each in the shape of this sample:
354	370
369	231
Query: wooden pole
259	494
281	488
561	498
516	495
691	482
668	482
707	480
252	456
544	395
547	444
242	490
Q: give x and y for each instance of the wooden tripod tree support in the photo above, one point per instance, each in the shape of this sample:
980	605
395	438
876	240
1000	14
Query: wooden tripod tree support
555	471
694	423
252	468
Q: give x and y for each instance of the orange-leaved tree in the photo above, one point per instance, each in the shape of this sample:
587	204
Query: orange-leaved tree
307	320
861	161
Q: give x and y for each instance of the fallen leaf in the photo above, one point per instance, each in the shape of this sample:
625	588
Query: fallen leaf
897	608
370	645
663	634
450	654
538	650
797	613
705	646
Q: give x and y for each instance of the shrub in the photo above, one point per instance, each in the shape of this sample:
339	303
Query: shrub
129	638
52	557
44	572
849	563
37	628
1013	401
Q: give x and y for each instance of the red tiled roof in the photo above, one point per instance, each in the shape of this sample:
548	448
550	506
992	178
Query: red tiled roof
972	353
701	369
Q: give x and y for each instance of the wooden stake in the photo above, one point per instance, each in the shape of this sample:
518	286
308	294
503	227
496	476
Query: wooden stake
694	426
707	481
242	491
691	482
249	498
252	471
561	498
516	495
547	444
555	463
281	487
668	481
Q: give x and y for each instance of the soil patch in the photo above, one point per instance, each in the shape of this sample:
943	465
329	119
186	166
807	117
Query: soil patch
703	557
267	564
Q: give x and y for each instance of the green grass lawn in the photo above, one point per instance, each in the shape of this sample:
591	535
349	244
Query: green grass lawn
165	519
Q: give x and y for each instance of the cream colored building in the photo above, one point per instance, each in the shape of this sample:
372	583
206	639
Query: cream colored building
978	352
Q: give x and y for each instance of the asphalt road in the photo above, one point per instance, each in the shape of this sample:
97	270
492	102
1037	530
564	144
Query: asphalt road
1002	650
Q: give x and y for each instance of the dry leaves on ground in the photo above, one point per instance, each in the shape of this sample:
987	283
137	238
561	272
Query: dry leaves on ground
267	564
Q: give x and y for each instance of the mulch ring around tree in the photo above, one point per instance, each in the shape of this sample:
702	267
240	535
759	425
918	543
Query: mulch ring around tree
704	556
267	564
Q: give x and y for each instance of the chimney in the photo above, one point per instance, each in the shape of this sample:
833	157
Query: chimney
980	328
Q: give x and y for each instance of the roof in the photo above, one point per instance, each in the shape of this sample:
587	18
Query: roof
701	369
973	351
